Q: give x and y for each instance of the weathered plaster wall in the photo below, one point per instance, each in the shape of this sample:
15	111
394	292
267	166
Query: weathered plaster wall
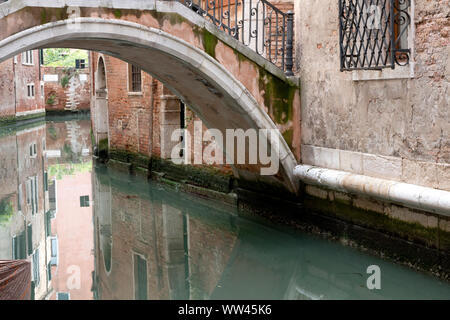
397	129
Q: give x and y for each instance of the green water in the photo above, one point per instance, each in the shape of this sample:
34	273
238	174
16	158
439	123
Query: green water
134	239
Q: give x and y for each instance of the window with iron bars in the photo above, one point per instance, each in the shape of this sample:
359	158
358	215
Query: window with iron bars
374	34
135	79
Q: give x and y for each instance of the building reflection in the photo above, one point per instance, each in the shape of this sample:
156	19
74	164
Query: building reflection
153	243
36	159
157	243
150	245
102	234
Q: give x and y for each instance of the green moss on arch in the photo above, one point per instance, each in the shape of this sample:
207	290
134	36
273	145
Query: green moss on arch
117	13
278	96
209	43
43	16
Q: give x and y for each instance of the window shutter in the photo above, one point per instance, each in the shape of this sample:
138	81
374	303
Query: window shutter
22	246
140	277
30	239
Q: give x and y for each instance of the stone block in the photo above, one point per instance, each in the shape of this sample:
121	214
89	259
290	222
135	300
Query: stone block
316	192
420	173
382	167
443	176
351	161
321	157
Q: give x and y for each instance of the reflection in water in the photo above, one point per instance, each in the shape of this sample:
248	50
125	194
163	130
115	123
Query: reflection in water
100	234
45	168
156	243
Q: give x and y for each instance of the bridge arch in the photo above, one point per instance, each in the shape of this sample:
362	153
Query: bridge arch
198	78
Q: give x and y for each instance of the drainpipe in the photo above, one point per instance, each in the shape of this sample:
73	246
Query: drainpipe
408	195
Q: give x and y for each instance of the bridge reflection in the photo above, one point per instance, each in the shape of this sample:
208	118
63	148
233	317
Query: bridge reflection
97	233
156	243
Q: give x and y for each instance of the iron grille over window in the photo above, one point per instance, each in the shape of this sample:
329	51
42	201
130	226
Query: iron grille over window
374	33
136	79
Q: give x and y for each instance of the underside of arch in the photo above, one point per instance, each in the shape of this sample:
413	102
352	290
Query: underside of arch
211	90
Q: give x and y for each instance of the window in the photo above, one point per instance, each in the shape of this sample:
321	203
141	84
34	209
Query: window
80	63
374	34
42	90
52	196
182	126
41	57
84	201
49	271
135	79
30	90
19	198
140	277
62	296
30	238
36	277
32	194
45	181
54	251
33	150
27	57
48	223
19	247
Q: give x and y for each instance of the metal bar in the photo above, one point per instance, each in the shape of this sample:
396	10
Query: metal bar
391	33
248	25
283	44
341	14
290	44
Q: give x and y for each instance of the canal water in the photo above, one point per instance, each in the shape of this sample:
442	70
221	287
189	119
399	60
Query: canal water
91	232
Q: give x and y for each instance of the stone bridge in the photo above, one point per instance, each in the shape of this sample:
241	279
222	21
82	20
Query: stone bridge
227	84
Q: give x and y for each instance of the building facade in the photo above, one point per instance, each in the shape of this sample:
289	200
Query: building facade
67	89
134	113
22	87
386	123
24	204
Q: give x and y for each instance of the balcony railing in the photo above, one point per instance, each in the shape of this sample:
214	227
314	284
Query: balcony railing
256	23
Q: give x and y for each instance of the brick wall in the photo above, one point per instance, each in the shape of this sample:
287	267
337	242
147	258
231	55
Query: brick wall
74	96
129	113
135	119
24	75
7	99
14	78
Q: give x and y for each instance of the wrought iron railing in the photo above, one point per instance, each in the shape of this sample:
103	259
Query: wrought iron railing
374	33
256	23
